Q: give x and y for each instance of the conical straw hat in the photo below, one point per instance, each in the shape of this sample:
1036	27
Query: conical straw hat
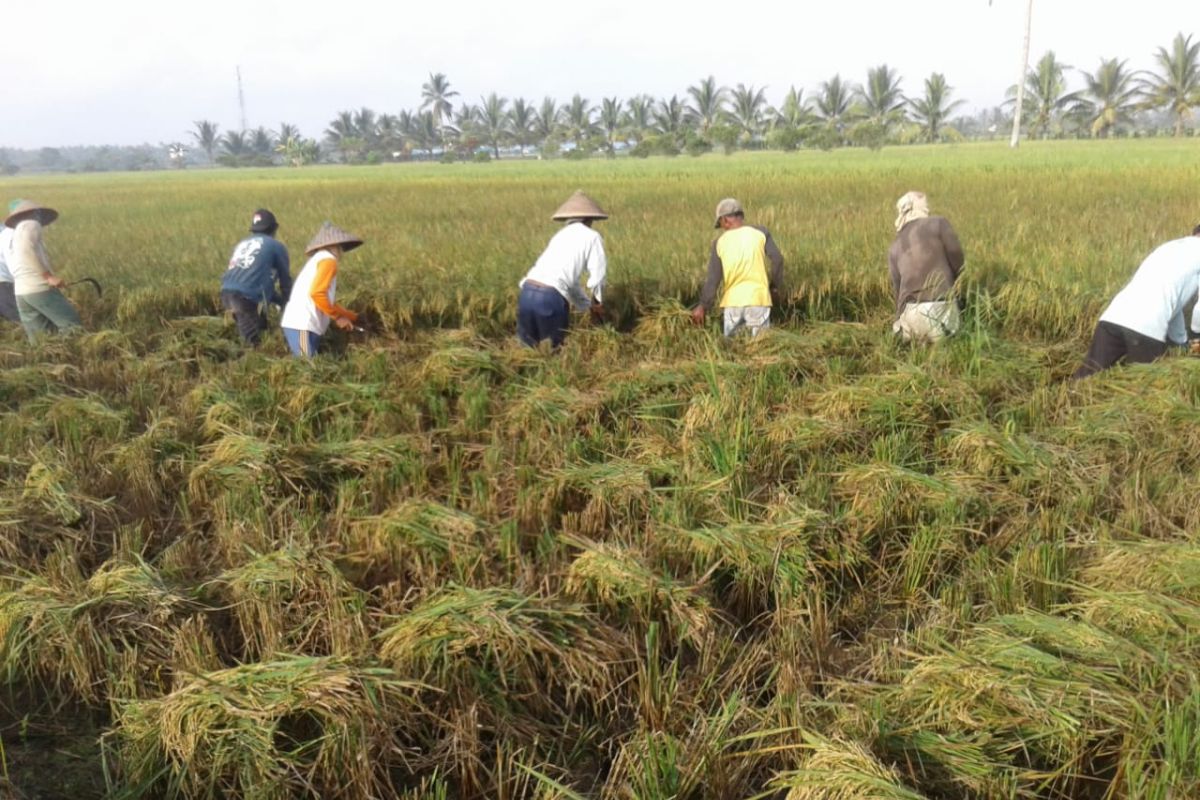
330	235
580	206
21	210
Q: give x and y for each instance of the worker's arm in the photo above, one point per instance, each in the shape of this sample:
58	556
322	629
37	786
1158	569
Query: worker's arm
283	273
712	282
597	269
326	272
1177	330
954	251
775	277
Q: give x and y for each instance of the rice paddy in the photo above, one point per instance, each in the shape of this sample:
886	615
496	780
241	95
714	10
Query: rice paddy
655	564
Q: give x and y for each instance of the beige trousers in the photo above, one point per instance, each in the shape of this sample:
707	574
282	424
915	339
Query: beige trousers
928	322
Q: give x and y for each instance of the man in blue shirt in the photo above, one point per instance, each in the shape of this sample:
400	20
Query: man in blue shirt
257	263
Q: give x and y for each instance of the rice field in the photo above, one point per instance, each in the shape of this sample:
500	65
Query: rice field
655	564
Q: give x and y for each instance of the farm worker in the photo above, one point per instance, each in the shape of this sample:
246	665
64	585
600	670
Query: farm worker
41	307
738	261
257	263
311	305
554	283
8	300
924	262
1148	312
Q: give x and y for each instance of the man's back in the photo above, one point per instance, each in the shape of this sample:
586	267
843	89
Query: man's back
1153	300
743	257
256	263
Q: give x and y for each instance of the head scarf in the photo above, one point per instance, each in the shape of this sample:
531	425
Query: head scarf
912	206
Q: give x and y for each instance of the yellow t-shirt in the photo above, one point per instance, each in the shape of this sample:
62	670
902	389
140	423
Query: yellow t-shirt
744	262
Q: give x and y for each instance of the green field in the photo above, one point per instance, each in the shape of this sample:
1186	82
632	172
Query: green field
653	565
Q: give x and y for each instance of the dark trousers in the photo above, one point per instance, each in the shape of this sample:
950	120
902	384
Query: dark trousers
542	313
8	302
251	317
1112	344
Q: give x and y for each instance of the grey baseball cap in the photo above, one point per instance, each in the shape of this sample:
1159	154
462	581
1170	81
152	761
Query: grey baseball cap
725	208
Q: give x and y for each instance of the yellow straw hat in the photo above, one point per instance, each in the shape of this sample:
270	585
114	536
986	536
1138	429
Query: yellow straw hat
331	235
580	206
21	210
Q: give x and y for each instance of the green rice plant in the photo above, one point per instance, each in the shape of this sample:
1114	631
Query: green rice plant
67	633
282	728
836	769
418	540
50	487
294	600
516	651
616	578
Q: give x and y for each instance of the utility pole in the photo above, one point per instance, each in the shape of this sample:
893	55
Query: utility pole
242	97
1016	131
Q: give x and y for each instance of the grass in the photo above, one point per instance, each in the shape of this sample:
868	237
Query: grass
653	565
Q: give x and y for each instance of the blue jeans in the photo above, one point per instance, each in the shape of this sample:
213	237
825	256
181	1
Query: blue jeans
542	313
302	343
47	311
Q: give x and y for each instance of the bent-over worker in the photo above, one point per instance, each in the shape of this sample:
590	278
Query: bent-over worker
738	261
41	306
924	263
555	283
1147	313
312	304
258	262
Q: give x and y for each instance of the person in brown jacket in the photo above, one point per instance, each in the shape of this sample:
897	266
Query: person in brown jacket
925	260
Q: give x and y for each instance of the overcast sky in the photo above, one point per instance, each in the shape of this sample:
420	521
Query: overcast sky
132	71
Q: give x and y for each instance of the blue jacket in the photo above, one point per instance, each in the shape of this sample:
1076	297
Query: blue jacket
256	263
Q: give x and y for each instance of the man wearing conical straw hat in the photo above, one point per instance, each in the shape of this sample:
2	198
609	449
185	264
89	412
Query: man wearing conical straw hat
738	261
40	304
924	263
555	283
312	303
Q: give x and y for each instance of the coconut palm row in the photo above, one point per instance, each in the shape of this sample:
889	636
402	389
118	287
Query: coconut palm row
840	112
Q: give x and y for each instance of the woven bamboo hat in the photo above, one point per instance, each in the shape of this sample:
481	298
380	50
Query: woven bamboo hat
580	206
331	235
21	210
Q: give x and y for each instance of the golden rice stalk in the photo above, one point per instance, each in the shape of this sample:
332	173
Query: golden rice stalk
838	769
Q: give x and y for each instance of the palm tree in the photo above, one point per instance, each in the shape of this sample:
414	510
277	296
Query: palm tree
521	119
746	110
932	110
1046	95
1110	97
639	117
547	119
1016	128
285	131
436	94
342	135
206	136
708	103
425	132
1177	86
611	117
366	126
577	116
234	144
833	101
794	113
670	118
494	120
881	97
261	141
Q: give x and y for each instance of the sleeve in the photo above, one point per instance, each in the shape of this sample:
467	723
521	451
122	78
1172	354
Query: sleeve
712	282
283	272
1195	329
1176	330
775	279
37	246
597	267
954	250
894	271
326	272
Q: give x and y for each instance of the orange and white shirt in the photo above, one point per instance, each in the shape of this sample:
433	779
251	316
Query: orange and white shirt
311	305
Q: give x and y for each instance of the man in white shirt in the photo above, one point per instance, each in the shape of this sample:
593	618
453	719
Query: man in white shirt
8	300
555	283
1147	313
42	307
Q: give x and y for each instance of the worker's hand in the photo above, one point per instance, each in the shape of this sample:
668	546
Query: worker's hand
344	323
597	312
1194	347
54	281
698	315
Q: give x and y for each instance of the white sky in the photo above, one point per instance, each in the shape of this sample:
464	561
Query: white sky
132	71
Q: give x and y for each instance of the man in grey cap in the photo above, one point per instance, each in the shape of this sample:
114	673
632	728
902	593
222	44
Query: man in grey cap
738	261
257	263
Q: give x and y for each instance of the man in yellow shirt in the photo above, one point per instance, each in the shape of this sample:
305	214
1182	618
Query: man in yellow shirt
739	262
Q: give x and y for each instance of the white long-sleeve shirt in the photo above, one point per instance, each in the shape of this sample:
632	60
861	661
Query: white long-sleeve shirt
572	251
27	259
1153	300
5	244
